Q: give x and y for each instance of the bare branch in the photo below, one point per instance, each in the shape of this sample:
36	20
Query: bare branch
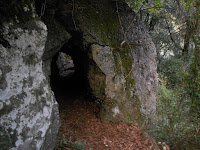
171	37
73	16
43	8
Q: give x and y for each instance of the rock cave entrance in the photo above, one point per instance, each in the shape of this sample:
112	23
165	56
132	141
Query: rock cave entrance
69	82
69	72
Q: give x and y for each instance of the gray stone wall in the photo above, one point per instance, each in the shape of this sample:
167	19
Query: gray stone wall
28	110
122	70
122	49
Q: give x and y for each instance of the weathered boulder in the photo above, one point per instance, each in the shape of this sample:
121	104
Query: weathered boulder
65	65
122	66
57	37
28	110
118	52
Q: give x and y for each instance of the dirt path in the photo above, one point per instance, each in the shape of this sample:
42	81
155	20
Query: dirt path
82	130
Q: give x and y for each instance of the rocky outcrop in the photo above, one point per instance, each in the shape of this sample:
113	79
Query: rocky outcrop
28	110
57	37
119	58
122	67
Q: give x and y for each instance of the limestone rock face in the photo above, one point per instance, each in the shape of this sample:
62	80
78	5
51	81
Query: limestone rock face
57	37
28	110
120	61
103	57
122	67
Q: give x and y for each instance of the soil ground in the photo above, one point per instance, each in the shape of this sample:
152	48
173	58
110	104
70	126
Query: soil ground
81	129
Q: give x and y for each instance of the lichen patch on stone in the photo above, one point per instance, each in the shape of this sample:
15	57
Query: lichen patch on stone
115	111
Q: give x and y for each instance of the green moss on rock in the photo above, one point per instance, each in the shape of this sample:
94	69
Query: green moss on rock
97	80
99	22
102	20
123	62
129	112
16	10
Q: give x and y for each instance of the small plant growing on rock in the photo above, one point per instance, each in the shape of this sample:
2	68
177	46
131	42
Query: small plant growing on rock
77	145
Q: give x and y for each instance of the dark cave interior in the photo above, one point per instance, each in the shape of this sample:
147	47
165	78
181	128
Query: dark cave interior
75	85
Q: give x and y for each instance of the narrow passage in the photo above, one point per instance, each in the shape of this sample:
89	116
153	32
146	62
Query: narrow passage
81	128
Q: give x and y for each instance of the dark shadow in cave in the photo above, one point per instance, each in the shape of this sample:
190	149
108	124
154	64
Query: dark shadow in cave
72	83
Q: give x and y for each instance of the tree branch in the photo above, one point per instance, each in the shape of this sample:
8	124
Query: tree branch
171	37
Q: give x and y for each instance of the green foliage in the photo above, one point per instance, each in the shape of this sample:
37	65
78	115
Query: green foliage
174	122
177	120
136	5
173	70
190	4
153	6
77	145
194	79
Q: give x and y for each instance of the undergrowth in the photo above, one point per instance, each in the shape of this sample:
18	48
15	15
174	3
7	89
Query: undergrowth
77	145
176	122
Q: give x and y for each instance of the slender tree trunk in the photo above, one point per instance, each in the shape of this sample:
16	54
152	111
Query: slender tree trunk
187	39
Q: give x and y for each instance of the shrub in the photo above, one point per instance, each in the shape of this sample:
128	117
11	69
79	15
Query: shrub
173	122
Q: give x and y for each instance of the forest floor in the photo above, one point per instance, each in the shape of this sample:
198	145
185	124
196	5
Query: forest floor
81	129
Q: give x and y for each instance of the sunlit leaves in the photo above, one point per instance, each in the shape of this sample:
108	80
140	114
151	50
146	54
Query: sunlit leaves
152	6
136	5
155	7
190	4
